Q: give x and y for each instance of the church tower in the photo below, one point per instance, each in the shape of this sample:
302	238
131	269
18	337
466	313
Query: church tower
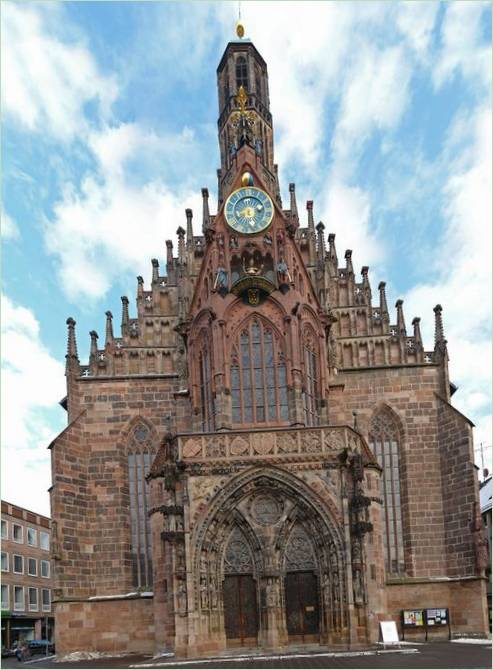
243	462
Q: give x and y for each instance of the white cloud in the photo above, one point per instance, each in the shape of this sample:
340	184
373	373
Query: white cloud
416	21
33	383
113	225
463	49
47	82
9	228
461	272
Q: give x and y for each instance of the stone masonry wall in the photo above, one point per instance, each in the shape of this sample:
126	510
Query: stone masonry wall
122	625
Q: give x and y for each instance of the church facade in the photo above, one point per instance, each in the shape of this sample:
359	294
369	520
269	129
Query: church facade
265	455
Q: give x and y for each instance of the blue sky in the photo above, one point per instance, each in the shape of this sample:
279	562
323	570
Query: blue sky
381	116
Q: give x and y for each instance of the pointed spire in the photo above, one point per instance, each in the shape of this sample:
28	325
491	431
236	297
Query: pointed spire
333	261
401	325
366	283
72	358
189	215
349	262
440	341
384	311
109	328
169	256
417	333
155	271
311	232
206	217
181	244
320	240
93	352
125	316
140	287
292	203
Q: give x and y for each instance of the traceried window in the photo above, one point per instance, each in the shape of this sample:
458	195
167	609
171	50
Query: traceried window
258	376
206	397
140	457
312	383
241	73
384	442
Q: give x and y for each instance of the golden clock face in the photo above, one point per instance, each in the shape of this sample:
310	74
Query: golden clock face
249	210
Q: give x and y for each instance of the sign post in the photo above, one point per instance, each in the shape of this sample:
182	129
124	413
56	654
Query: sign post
389	633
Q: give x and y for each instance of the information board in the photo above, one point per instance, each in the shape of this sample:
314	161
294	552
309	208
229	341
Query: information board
437	617
389	632
413	618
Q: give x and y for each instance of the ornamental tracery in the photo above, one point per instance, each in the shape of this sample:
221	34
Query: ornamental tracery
237	557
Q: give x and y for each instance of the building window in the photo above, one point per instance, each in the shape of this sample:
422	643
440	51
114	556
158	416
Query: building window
139	463
258	83
385	443
312	384
32	538
46	599
258	377
32	567
241	73
33	599
18	564
19	605
5	561
45	568
5	597
5	530
17	533
206	397
44	540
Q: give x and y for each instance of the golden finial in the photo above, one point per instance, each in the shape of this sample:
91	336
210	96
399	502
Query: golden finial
242	99
240	30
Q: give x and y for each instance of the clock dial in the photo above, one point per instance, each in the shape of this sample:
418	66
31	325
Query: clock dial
249	210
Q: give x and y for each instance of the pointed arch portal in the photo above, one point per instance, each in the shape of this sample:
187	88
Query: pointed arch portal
270	555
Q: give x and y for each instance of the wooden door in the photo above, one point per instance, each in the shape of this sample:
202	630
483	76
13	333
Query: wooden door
302	613
240	609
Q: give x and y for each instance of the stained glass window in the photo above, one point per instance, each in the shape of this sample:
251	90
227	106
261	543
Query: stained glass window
140	456
311	386
258	377
384	442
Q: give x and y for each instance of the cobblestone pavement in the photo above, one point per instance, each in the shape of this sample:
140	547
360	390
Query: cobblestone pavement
442	655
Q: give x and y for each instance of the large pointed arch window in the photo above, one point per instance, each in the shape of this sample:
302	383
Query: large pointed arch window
312	381
258	376
141	452
241	73
206	397
384	440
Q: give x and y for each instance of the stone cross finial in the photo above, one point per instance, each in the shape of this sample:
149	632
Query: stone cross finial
320	240
417	332
181	244
125	316
169	256
72	358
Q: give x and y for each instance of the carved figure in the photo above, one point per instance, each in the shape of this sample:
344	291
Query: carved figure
282	271
221	278
181	597
204	598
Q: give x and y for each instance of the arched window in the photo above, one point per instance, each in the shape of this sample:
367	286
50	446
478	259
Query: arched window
258	83
258	376
312	380
241	73
206	397
384	442
141	452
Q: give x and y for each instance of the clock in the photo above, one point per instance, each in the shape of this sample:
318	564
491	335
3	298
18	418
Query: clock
249	210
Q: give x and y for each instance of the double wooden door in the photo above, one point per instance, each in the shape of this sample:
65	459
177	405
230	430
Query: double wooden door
302	611
240	610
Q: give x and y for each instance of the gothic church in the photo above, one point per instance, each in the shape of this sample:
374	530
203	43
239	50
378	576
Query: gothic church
265	455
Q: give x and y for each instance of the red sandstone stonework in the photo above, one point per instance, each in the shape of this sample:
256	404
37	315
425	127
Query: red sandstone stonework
253	504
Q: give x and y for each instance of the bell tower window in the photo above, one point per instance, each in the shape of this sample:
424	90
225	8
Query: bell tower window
241	73
258	377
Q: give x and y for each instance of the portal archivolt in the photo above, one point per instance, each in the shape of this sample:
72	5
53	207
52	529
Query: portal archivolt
269	563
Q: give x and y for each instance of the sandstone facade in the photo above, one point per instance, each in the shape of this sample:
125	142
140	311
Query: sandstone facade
261	457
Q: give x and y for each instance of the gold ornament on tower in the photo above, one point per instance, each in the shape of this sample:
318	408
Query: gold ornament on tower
240	30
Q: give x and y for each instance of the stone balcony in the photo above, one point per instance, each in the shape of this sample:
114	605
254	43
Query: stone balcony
321	442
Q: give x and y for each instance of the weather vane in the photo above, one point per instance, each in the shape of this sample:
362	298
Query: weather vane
240	29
